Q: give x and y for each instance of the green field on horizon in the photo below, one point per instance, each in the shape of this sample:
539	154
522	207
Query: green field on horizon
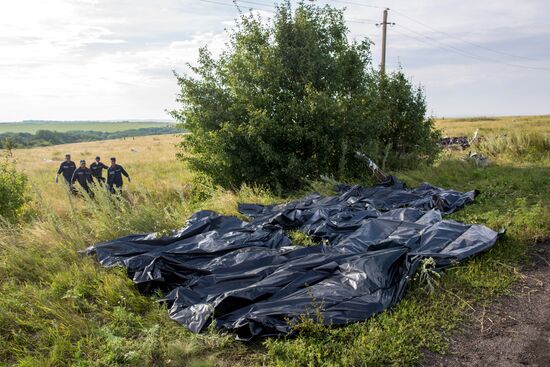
64	126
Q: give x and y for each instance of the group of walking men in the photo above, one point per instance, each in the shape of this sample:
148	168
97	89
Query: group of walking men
92	175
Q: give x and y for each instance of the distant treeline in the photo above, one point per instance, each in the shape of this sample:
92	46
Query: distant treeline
46	137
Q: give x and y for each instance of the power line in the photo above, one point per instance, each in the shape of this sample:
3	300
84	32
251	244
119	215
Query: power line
457	50
454	49
361	20
461	39
466	53
217	3
439	42
252	2
338	1
359	4
433	44
234	5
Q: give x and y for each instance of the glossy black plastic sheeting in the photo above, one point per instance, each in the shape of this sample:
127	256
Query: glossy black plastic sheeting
248	277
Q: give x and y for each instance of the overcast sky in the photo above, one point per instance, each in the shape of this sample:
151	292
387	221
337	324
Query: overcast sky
113	59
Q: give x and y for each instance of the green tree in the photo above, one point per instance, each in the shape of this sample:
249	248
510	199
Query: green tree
289	100
8	146
408	137
13	186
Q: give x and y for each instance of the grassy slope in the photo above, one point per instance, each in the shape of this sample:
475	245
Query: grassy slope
495	125
63	126
59	308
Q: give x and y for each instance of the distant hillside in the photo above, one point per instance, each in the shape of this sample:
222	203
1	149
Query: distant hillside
32	126
48	137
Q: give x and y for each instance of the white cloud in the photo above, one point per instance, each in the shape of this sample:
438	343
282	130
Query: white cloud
83	59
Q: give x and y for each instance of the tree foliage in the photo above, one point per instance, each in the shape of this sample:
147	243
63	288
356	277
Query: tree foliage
13	186
408	137
44	138
291	99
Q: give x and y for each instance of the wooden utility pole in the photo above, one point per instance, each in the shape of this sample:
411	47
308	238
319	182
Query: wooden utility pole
384	25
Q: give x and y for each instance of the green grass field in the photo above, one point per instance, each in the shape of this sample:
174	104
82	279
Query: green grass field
63	126
496	125
59	308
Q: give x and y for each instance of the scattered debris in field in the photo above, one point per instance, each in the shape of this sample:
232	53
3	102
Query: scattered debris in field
455	141
474	138
376	171
251	279
461	142
479	159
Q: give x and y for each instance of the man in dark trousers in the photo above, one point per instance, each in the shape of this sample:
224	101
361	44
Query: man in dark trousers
84	177
114	176
97	170
67	169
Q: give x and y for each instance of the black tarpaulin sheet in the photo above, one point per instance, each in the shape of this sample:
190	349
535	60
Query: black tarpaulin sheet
248	277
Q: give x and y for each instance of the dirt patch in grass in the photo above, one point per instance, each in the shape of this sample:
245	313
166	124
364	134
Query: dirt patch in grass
514	330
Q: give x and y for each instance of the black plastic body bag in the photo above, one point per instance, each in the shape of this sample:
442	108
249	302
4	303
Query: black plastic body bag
248	277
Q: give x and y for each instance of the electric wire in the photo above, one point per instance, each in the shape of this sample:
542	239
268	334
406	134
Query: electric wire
459	38
470	54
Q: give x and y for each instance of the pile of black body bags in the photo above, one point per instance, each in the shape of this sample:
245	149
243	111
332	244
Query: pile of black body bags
248	277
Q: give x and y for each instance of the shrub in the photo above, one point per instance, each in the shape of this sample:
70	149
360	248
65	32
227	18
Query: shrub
294	99
13	185
408	137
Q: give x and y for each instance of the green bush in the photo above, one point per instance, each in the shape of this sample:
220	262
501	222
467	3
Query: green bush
408	136
293	99
12	190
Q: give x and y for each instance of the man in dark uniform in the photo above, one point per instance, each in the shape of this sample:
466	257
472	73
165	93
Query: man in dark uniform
97	170
84	177
114	176
66	168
